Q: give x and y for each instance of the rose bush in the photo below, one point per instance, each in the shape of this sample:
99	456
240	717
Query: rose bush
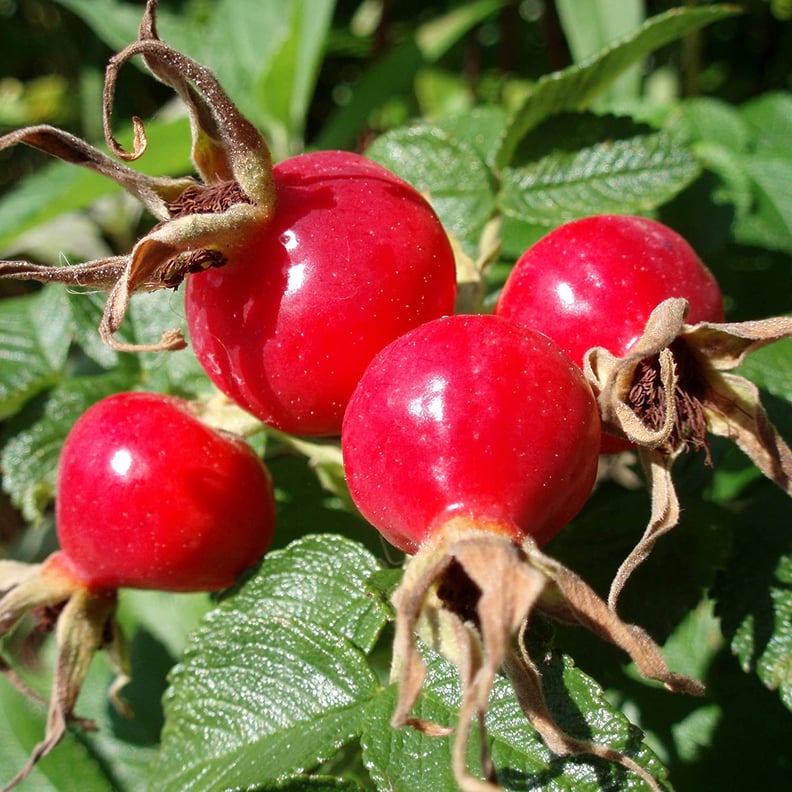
510	120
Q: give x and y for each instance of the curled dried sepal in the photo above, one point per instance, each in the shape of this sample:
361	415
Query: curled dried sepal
85	623
201	223
692	363
469	595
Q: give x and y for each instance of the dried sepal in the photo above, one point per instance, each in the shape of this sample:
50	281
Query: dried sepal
469	595
663	516
201	223
670	391
84	623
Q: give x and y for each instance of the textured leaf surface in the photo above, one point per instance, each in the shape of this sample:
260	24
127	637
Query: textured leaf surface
575	87
618	176
405	758
276	678
34	342
448	169
755	595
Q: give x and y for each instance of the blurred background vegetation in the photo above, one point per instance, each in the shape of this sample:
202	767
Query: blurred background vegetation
377	65
52	62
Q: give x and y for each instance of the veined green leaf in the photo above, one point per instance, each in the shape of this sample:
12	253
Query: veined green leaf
449	170
755	594
276	678
576	87
616	176
35	333
404	758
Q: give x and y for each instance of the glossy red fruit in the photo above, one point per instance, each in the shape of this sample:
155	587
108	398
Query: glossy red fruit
594	282
472	417
353	258
150	497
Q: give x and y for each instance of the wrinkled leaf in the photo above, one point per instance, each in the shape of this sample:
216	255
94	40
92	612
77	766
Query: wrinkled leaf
446	168
276	678
405	758
577	86
755	595
616	176
34	342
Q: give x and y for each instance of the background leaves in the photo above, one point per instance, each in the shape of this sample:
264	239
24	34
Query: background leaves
511	121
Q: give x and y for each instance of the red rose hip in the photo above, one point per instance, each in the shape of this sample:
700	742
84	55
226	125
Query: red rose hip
150	497
594	282
473	417
352	258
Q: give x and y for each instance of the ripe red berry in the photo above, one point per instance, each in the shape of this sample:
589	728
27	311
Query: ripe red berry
594	282
473	417
353	258
150	497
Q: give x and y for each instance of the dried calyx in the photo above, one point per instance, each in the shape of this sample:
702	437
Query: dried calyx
200	223
84	623
692	362
469	595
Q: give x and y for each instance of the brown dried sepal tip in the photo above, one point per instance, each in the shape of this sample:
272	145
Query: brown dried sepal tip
469	595
692	362
84	623
201	223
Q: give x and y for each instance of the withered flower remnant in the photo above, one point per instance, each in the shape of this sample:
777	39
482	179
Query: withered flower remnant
200	222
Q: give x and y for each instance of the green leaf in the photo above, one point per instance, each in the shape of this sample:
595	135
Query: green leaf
394	73
770	225
576	87
615	176
285	86
755	594
770	118
449	170
63	187
711	120
480	127
771	368
593	25
177	371
312	784
271	77
600	538
405	758
30	455
276	679
69	768
747	148
115	23
34	341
